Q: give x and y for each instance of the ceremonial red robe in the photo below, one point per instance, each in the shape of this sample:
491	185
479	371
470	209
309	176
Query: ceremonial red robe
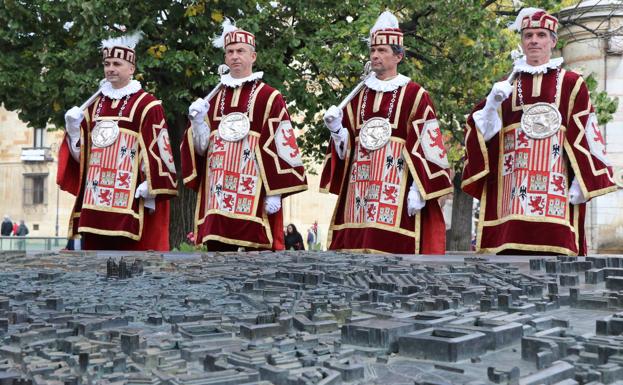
233	178
523	183
371	211
104	180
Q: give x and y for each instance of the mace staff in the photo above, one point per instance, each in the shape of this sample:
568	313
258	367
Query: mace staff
515	55
364	76
222	69
511	78
92	98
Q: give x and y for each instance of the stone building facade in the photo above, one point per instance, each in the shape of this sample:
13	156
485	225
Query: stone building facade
28	164
593	36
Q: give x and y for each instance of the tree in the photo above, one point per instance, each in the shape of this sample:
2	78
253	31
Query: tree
53	61
313	51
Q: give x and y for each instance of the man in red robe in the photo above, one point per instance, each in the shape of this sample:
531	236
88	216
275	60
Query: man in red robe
535	153
240	154
386	159
116	159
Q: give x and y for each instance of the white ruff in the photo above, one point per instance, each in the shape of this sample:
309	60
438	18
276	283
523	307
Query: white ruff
386	85
522	66
229	81
118	93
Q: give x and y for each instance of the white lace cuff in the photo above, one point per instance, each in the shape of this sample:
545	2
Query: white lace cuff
415	201
150	203
340	141
576	197
74	147
488	122
201	137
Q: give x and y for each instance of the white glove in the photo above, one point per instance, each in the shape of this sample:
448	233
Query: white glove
340	142
272	204
333	119
201	133
499	93
198	110
73	118
142	191
415	202
487	120
575	193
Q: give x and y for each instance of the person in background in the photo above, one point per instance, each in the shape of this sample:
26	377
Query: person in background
22	230
15	227
7	226
311	239
293	240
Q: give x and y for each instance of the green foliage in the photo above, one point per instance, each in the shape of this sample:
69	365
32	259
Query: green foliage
53	61
604	105
313	51
185	247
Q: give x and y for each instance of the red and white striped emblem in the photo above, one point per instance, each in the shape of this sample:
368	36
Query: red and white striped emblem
110	173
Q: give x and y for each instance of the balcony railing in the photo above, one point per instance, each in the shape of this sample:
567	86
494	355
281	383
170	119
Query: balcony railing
32	243
37	154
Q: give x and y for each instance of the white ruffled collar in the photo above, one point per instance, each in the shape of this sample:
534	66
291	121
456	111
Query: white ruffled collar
386	85
229	81
522	66
118	93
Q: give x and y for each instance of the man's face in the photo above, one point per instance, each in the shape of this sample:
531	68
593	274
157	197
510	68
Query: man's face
537	45
384	60
118	72
240	57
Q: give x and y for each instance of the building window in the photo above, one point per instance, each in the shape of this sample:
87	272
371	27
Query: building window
35	189
39	134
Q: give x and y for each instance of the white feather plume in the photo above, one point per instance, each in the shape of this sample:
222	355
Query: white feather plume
526	12
228	26
129	41
386	20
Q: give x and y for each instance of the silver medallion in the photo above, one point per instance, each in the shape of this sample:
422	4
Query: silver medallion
541	120
234	126
375	133
104	133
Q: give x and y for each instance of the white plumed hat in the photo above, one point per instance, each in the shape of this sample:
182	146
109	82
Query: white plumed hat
232	34
122	47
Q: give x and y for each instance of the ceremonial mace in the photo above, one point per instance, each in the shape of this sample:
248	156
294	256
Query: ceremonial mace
92	98
364	76
511	78
222	69
515	54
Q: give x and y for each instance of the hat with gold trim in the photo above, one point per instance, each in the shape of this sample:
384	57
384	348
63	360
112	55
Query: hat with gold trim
232	34
386	31
534	18
122	47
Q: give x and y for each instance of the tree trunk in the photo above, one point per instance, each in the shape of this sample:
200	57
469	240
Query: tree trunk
182	219
460	234
182	210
